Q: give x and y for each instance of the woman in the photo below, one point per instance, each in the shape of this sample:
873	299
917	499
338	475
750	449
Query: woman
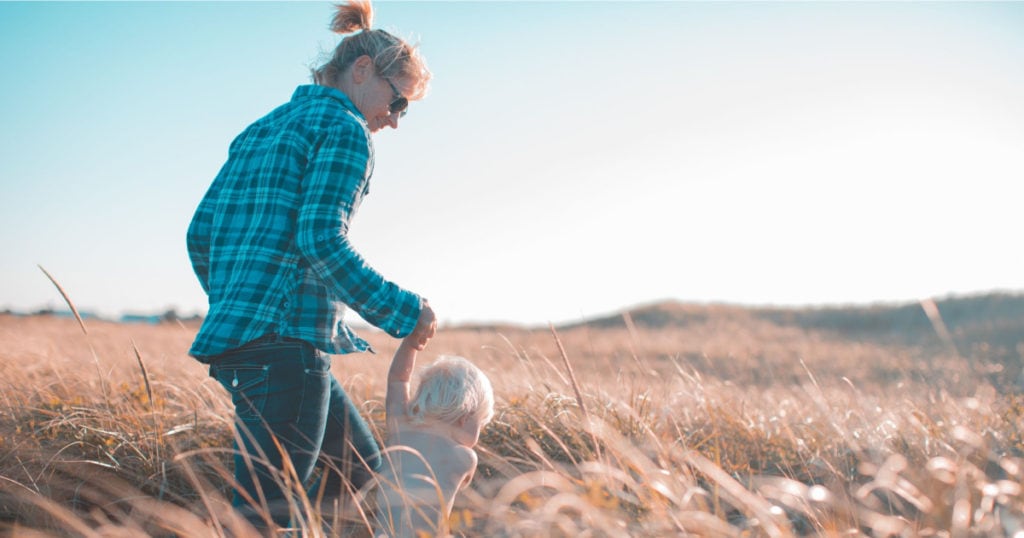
268	243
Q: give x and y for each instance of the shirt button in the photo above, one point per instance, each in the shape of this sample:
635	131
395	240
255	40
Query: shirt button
320	237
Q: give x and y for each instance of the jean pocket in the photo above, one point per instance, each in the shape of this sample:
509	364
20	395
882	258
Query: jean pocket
248	386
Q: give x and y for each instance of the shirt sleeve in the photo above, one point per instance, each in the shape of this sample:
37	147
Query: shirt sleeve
335	179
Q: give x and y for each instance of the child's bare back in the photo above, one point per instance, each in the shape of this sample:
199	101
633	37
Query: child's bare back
429	452
420	475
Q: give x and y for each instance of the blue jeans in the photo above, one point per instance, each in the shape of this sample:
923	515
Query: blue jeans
283	389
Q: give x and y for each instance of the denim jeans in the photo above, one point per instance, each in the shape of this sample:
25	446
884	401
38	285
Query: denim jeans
283	390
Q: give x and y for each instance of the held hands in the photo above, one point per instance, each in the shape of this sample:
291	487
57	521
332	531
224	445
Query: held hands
426	326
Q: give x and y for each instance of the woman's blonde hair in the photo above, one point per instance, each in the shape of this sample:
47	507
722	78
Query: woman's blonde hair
450	389
392	56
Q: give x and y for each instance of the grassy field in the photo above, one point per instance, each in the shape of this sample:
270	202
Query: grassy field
730	425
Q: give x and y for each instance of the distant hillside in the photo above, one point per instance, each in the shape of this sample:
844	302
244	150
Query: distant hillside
992	323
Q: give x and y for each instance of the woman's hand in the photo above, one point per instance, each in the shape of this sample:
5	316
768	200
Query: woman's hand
426	326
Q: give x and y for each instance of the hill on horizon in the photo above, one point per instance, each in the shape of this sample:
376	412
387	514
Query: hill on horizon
992	323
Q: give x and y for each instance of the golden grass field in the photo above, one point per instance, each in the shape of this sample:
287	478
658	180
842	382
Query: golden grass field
730	426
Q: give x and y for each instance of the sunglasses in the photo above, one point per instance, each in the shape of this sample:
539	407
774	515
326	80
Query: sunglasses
399	104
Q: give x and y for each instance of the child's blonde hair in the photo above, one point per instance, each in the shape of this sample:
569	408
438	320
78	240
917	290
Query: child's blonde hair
450	389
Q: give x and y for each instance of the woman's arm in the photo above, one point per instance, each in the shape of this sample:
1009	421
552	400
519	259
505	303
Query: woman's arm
333	184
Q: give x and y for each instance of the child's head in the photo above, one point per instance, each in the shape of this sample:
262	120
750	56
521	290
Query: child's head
454	391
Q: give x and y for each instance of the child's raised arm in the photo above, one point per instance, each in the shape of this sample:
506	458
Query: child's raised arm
403	363
398	378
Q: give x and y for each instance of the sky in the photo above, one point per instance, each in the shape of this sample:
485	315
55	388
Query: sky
570	160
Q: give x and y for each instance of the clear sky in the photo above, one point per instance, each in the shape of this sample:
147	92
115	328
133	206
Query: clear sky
571	159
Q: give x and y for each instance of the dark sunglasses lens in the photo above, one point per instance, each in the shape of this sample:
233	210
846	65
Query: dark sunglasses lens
399	105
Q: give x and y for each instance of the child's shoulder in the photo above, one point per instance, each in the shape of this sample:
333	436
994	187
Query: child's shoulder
431	440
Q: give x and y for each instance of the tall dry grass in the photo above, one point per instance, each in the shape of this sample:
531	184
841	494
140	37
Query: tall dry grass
728	427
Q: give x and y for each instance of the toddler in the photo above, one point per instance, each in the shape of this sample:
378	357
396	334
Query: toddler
428	455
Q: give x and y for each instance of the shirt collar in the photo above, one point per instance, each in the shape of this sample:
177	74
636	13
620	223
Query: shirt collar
315	90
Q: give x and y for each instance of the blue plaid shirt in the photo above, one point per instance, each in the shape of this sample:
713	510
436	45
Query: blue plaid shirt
268	241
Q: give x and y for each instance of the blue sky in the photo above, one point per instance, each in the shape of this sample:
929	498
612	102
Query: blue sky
571	159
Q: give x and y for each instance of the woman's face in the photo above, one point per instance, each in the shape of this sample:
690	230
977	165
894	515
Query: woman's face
382	102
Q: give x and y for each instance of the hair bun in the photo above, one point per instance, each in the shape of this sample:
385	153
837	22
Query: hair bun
352	16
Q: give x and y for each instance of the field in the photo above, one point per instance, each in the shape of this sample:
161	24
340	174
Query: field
727	425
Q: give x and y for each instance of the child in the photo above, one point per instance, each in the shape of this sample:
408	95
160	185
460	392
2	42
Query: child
429	453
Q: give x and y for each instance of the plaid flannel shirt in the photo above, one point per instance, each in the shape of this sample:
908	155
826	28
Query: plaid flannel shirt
268	241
